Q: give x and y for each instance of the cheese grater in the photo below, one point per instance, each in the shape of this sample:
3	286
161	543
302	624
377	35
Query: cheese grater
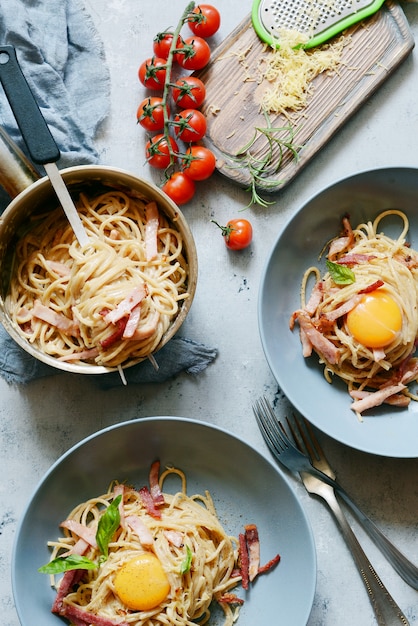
319	20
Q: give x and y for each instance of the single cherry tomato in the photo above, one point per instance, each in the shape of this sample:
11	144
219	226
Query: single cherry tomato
152	73
199	162
238	233
158	153
189	92
204	20
162	44
150	113
194	53
190	125
180	188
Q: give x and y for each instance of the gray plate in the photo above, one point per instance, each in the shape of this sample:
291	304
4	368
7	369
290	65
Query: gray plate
385	431
245	486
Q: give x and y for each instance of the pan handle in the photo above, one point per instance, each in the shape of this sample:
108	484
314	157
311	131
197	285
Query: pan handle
38	138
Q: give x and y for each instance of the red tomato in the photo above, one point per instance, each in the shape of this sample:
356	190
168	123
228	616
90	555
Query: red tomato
158	153
238	233
180	188
152	73
189	92
194	53
190	125
150	113
199	162
204	20
162	44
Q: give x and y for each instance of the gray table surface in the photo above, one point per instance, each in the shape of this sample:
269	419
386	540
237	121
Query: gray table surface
42	420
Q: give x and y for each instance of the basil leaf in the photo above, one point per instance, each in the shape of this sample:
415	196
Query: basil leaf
65	563
341	274
187	561
107	526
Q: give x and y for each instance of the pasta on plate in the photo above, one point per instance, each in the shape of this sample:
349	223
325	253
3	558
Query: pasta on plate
147	558
110	302
361	317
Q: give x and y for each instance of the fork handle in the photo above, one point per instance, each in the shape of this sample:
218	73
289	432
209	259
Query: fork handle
401	564
405	568
386	610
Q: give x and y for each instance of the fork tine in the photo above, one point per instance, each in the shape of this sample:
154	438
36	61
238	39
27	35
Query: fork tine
304	435
273	427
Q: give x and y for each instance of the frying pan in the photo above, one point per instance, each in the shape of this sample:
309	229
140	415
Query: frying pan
32	195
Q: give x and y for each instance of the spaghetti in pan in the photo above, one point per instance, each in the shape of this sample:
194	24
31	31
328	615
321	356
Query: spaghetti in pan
109	302
361	317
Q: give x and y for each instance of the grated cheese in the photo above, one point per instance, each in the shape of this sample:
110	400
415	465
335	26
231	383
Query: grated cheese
290	70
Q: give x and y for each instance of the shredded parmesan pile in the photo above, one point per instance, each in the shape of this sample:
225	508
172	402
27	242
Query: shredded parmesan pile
291	69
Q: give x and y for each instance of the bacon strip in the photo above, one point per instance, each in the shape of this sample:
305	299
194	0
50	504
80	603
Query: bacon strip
84	355
59	268
127	304
354	259
377	283
155	490
132	323
230	598
44	313
141	530
269	565
253	547
151	230
70	578
174	537
82	531
315	298
342	243
376	398
83	617
322	345
148	502
399	399
116	336
347	306
244	560
145	331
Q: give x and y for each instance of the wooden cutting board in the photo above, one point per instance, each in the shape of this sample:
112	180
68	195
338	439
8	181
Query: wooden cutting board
377	47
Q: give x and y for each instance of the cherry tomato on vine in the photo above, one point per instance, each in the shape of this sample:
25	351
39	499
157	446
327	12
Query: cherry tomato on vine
238	233
162	44
157	151
152	73
190	125
189	92
199	162
204	20
180	188
150	113
194	53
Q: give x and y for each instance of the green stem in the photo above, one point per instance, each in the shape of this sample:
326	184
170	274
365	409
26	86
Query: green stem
167	83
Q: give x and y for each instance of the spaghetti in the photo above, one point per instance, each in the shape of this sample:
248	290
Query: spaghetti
196	562
362	317
110	302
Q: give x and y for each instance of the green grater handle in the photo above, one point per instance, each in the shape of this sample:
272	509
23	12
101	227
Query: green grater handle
322	37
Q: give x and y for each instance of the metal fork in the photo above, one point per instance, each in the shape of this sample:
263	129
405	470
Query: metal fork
386	610
308	443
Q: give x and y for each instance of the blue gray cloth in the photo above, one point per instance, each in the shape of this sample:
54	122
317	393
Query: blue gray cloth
62	57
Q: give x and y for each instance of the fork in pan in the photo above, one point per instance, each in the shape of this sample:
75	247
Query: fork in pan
386	610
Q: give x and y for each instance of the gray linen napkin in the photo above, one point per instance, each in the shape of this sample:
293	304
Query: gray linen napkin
62	57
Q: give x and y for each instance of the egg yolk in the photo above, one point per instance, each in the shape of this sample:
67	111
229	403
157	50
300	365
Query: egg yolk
376	321
141	583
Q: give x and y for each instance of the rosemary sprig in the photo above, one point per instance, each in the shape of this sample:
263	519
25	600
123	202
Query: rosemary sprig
262	169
